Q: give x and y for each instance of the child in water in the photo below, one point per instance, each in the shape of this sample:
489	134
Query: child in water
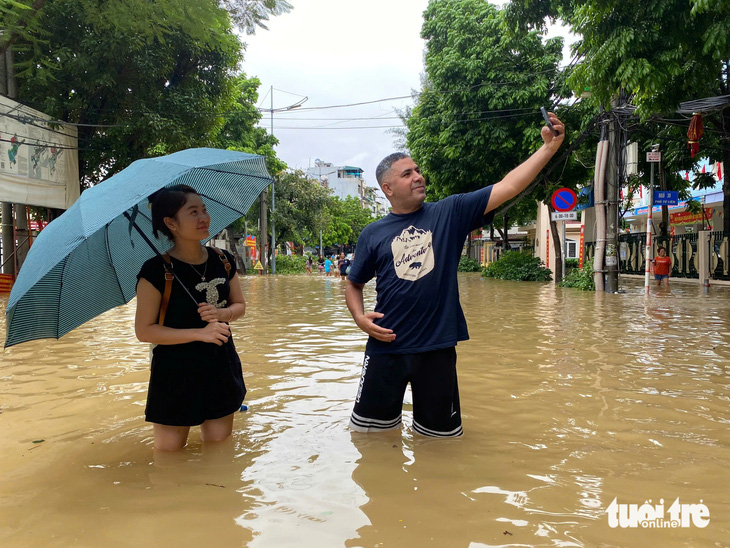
662	266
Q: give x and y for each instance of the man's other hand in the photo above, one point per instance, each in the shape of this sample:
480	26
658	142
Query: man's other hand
366	323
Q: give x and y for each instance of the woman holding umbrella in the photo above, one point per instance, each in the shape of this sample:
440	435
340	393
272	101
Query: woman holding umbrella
196	376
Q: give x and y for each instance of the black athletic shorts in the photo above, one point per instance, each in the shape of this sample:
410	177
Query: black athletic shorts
379	402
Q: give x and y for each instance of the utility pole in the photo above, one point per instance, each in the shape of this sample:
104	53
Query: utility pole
612	198
273	225
263	228
262	198
7	88
649	249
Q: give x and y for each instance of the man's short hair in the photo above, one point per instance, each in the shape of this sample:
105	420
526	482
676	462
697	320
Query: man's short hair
386	163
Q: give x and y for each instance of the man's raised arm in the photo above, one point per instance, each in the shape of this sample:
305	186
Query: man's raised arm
520	177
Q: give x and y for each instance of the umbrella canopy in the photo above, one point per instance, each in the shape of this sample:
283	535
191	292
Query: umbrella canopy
86	261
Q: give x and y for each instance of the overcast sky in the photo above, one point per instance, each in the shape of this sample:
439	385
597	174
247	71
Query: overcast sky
338	52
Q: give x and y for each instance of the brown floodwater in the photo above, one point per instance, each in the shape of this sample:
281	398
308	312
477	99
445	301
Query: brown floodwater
570	400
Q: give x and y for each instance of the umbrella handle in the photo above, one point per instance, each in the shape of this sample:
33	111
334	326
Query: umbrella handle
167	267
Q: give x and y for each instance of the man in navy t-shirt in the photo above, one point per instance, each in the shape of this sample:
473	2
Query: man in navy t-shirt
414	253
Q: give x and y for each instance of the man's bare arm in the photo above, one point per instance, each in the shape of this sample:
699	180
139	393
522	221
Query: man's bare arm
520	177
364	320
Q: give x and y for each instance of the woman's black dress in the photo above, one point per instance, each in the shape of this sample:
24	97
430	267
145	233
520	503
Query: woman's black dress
197	381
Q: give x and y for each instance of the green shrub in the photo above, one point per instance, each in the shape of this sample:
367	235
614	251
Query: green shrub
518	266
580	278
570	264
290	264
467	264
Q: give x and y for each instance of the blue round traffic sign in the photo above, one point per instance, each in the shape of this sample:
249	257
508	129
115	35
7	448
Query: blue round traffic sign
564	199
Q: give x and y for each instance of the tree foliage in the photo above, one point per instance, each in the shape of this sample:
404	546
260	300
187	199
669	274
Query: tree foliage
301	208
477	116
337	231
347	218
304	208
356	217
661	53
141	78
580	278
20	24
250	14
518	266
239	131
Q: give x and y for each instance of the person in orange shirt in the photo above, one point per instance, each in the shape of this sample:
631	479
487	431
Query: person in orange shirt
662	266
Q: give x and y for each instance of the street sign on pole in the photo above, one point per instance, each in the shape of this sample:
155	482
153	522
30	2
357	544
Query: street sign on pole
564	199
654	156
666	197
564	216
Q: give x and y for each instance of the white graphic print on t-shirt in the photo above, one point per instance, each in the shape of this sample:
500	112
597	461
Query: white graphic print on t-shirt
211	291
412	253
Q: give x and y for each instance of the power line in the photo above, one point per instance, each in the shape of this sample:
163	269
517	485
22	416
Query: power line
31	120
50	145
531	112
323	107
386	117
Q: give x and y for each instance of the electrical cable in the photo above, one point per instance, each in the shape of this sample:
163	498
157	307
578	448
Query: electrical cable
323	107
51	145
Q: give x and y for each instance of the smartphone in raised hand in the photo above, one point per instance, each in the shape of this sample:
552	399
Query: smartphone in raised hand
547	121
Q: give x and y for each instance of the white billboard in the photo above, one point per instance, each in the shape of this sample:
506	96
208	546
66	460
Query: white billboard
39	162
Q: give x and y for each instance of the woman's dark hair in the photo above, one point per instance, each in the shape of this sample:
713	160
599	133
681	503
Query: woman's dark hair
660	248
166	202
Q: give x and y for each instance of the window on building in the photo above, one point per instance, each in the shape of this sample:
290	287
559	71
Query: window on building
572	249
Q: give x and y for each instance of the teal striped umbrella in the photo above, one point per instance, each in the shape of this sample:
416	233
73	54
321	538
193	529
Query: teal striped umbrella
86	261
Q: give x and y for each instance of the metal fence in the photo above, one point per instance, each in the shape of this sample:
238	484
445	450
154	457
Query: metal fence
719	263
682	249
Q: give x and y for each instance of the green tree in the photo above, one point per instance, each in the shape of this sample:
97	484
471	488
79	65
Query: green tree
250	14
140	78
20	23
239	130
23	22
301	208
356	217
346	219
662	53
477	116
337	231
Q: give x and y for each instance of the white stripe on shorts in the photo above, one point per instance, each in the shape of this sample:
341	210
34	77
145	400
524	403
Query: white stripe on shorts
458	431
362	424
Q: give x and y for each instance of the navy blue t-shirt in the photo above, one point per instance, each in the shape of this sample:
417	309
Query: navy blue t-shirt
415	258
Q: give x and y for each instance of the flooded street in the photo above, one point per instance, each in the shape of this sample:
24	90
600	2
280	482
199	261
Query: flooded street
569	399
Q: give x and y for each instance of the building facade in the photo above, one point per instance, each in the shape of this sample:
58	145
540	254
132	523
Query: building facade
348	181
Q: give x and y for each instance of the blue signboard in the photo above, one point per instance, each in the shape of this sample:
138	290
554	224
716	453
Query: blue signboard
583	202
666	197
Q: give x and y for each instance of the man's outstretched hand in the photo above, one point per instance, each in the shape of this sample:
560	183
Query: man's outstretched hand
551	140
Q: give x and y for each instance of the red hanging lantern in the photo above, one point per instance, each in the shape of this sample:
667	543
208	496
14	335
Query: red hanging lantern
694	134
